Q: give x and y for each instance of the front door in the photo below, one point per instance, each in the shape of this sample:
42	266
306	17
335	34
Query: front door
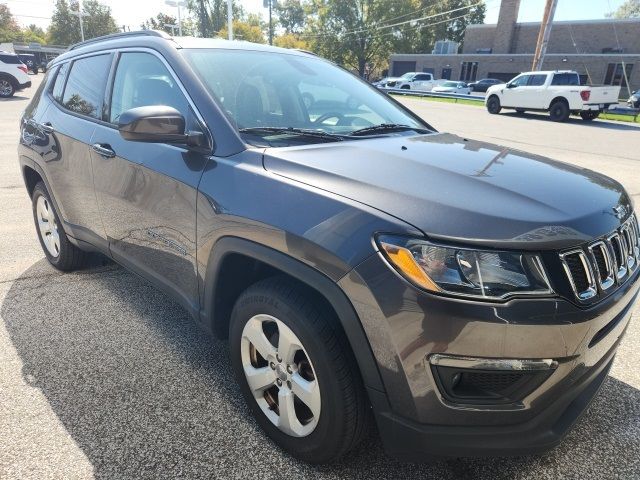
515	91
147	191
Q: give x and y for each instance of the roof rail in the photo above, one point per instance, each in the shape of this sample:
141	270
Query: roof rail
148	33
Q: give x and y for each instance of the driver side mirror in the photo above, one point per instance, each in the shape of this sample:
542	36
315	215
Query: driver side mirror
157	124
511	85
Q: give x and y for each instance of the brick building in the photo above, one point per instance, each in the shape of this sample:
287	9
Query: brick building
601	51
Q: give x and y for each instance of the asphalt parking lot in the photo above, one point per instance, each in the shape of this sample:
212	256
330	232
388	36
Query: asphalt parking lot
103	376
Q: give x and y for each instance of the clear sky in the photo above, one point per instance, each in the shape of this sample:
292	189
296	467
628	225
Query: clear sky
133	12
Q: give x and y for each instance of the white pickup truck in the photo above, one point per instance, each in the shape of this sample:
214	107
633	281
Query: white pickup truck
420	81
557	92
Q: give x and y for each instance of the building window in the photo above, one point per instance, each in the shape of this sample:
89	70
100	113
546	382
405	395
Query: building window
616	74
468	71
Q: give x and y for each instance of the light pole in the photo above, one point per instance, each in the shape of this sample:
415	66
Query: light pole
230	19
80	15
178	4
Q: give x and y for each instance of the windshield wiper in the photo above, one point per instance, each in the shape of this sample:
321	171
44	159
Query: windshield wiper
298	131
387	127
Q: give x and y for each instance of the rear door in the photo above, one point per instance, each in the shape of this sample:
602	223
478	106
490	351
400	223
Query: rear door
147	191
77	94
533	94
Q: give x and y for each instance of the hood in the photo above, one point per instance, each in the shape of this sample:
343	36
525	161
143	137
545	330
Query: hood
462	190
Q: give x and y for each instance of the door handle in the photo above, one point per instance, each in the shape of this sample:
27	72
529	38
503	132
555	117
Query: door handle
47	127
103	150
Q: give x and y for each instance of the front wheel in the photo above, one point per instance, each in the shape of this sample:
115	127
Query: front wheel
60	252
589	115
493	105
296	371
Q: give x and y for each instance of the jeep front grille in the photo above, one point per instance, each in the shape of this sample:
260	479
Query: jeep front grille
605	262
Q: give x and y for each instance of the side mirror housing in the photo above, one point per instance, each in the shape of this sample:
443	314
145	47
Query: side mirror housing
157	124
511	85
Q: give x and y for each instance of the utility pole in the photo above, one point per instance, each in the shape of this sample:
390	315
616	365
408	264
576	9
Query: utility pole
269	4
80	15
543	36
230	19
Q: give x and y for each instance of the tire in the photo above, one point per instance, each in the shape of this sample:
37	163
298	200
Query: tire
589	116
520	110
62	254
7	87
493	105
559	111
340	416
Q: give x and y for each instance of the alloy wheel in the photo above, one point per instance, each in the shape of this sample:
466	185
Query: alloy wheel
47	226
6	89
280	375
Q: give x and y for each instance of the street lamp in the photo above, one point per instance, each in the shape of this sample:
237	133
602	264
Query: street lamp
80	15
178	4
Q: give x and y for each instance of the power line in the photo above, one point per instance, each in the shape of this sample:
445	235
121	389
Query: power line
380	27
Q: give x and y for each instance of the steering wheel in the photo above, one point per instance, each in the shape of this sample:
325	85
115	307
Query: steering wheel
326	116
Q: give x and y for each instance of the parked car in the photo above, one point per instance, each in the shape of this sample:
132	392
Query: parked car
381	83
30	61
556	92
13	75
452	87
483	84
415	81
634	100
356	262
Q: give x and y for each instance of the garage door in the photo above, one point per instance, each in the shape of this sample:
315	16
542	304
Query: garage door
400	68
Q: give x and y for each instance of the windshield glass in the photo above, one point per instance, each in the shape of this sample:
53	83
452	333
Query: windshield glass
408	75
270	90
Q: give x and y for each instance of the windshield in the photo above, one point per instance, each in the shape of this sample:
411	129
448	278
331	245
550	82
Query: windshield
408	75
262	91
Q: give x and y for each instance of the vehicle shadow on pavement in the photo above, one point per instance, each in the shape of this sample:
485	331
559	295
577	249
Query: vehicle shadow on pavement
15	98
606	124
145	393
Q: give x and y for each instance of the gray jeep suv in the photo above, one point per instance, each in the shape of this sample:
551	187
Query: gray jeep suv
466	297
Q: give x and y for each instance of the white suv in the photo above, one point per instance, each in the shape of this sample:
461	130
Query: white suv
13	75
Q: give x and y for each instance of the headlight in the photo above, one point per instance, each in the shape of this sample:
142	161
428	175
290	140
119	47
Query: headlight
488	274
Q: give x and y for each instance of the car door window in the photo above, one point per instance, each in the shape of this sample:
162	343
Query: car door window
521	81
141	80
84	89
537	80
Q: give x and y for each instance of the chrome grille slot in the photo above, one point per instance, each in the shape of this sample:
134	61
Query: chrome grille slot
619	255
578	270
602	264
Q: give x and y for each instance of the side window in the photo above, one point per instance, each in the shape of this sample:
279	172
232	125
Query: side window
521	81
58	85
537	80
565	79
85	87
141	80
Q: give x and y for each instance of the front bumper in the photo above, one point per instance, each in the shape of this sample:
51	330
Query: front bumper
406	326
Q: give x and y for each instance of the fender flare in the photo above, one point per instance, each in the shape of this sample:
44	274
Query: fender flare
313	278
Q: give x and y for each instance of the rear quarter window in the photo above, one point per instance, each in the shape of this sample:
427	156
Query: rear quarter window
58	84
561	79
10	59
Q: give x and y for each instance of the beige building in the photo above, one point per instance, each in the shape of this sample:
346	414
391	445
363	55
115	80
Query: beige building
601	51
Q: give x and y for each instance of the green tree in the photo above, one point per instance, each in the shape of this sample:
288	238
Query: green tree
291	15
629	9
211	15
244	31
65	26
290	40
33	33
9	29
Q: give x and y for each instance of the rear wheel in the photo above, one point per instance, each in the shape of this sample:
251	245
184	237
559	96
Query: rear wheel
493	105
559	111
589	116
296	371
60	252
7	89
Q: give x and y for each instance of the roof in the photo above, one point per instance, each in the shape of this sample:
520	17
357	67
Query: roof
155	38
